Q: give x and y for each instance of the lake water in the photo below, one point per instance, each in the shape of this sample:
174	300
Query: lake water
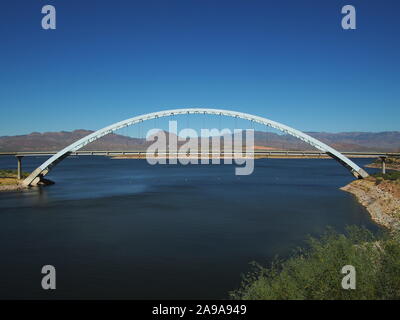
123	229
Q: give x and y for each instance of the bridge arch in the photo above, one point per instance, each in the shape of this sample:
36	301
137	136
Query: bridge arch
44	168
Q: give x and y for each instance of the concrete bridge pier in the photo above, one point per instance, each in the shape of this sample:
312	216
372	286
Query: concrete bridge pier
19	168
383	158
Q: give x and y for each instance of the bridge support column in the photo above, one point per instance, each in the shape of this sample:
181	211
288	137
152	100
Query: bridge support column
19	168
383	158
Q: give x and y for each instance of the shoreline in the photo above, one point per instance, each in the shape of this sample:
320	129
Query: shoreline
17	185
9	180
11	187
380	198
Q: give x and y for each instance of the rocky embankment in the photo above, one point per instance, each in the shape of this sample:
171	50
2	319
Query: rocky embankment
9	181
381	198
10	185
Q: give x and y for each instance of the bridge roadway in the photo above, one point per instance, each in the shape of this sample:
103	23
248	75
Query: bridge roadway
139	154
294	153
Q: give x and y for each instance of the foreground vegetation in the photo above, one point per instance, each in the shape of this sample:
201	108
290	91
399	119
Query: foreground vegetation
315	272
389	176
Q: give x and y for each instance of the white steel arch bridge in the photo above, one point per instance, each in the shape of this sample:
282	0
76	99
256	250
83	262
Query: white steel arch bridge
35	177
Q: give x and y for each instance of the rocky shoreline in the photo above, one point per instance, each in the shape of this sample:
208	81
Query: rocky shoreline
380	197
11	187
9	181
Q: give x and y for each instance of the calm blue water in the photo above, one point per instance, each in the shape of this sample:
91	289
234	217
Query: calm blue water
125	229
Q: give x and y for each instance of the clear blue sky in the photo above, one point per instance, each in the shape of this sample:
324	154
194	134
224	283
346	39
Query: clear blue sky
287	60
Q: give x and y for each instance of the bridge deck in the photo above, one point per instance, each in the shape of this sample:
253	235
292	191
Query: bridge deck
259	153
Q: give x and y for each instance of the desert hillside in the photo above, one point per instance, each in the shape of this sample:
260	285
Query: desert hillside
348	141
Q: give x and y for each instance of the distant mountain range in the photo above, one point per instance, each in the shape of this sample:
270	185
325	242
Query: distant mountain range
344	141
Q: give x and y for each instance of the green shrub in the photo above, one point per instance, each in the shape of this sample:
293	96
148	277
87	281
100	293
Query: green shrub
390	175
315	272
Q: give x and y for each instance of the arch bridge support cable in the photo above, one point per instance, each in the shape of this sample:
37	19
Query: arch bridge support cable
44	168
